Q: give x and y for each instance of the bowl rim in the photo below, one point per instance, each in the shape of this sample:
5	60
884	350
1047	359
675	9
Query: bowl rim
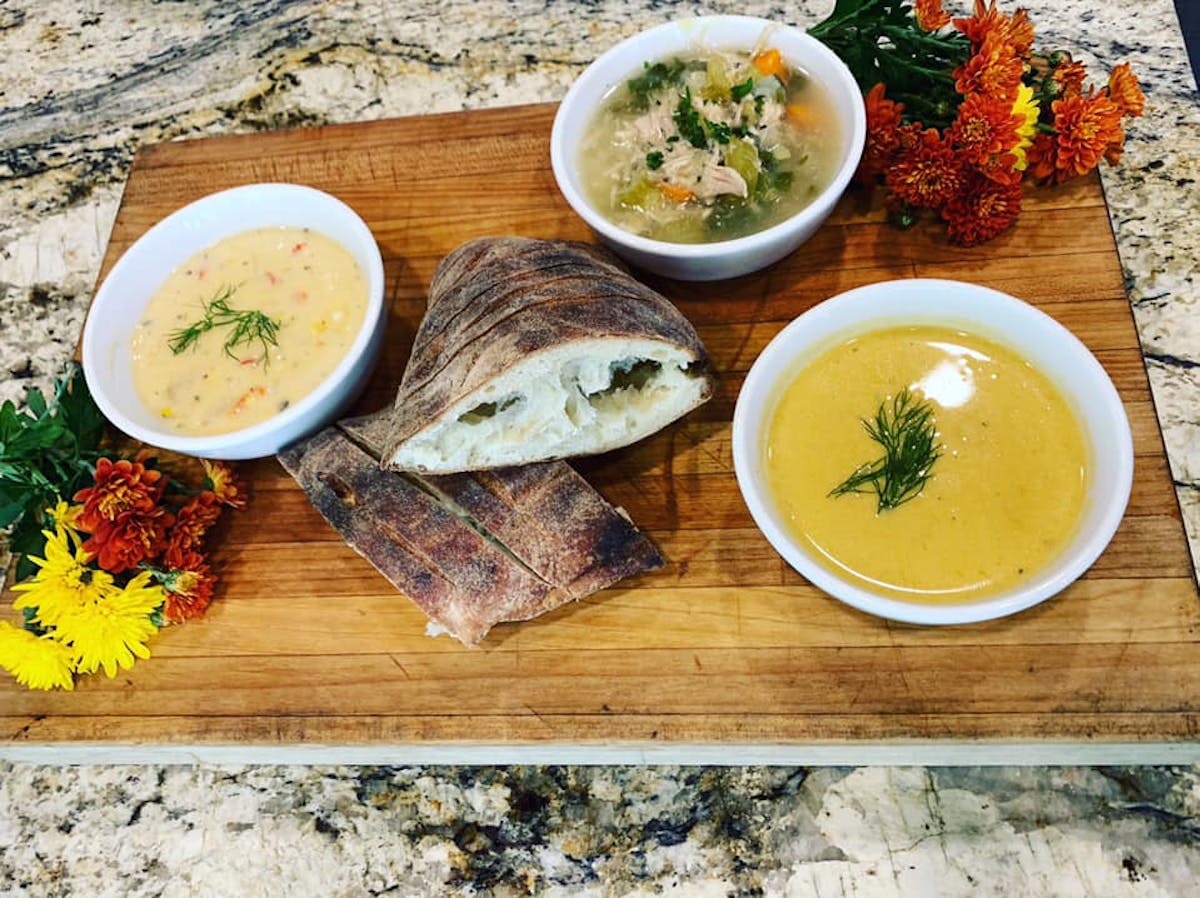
211	444
1086	546
562	166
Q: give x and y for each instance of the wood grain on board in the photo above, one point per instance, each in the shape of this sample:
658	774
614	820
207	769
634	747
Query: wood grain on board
727	644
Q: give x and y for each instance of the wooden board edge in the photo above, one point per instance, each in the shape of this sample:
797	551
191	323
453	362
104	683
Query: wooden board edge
924	753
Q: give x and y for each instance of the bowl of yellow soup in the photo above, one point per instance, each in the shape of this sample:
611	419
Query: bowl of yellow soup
932	451
239	323
710	147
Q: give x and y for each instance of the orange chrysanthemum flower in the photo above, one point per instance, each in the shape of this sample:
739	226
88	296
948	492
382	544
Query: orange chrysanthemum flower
129	540
1068	79
1086	128
189	589
984	209
988	21
225	484
1124	90
883	133
191	523
1041	157
120	487
985	128
995	70
929	15
926	175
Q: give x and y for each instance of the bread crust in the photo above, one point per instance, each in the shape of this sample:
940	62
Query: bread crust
471	550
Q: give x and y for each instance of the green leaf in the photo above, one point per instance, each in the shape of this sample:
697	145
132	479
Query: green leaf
36	402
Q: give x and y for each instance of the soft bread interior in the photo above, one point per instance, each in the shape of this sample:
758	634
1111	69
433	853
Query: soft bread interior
581	398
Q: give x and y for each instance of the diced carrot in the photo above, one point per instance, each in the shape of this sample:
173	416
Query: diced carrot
769	62
301	296
247	397
674	192
299	248
247	362
802	115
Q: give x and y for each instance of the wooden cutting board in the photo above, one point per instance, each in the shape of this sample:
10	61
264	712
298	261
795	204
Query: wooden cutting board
727	655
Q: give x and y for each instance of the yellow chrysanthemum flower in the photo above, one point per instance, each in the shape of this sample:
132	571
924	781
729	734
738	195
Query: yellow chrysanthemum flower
67	516
112	628
1027	108
38	662
64	580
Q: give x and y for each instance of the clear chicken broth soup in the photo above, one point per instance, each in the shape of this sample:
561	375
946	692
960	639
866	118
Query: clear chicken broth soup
710	145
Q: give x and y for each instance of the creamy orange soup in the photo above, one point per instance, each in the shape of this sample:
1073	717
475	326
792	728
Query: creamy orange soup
1003	498
245	328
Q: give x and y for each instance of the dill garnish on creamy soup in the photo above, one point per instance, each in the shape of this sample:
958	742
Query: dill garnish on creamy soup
710	145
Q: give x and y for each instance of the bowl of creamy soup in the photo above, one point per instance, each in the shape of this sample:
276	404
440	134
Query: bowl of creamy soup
933	451
239	323
709	147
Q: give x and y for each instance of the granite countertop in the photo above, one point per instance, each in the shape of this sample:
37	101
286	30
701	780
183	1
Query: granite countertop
84	85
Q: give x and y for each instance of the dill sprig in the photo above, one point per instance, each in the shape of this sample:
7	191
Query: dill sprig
906	430
249	326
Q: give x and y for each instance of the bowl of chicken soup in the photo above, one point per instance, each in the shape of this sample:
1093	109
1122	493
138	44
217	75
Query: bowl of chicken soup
238	324
932	451
710	147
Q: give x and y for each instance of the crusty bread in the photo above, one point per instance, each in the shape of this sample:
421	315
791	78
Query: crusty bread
471	550
532	350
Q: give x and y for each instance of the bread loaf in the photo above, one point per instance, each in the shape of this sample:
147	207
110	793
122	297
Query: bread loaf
532	350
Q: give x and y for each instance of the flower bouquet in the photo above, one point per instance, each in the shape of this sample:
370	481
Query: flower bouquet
962	112
111	548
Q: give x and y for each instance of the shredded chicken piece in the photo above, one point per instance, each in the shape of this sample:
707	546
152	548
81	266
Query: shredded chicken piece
717	180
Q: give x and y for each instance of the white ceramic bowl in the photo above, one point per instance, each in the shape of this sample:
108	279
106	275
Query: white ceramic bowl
1031	333
729	258
145	265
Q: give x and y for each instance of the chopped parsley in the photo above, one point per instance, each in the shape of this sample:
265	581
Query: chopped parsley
689	121
654	78
739	92
654	160
718	131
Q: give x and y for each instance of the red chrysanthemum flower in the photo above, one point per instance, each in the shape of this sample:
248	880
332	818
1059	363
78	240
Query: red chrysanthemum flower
1085	130
120	487
995	71
984	129
984	209
1124	90
883	133
988	21
189	589
129	540
1068	78
225	484
926	175
191	523
1041	158
929	15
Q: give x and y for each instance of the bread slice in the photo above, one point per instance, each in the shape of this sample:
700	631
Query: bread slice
533	350
471	550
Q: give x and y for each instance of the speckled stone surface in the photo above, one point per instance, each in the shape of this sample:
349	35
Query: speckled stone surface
83	85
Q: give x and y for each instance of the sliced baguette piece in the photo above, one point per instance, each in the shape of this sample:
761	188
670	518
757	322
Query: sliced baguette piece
545	514
534	350
470	550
